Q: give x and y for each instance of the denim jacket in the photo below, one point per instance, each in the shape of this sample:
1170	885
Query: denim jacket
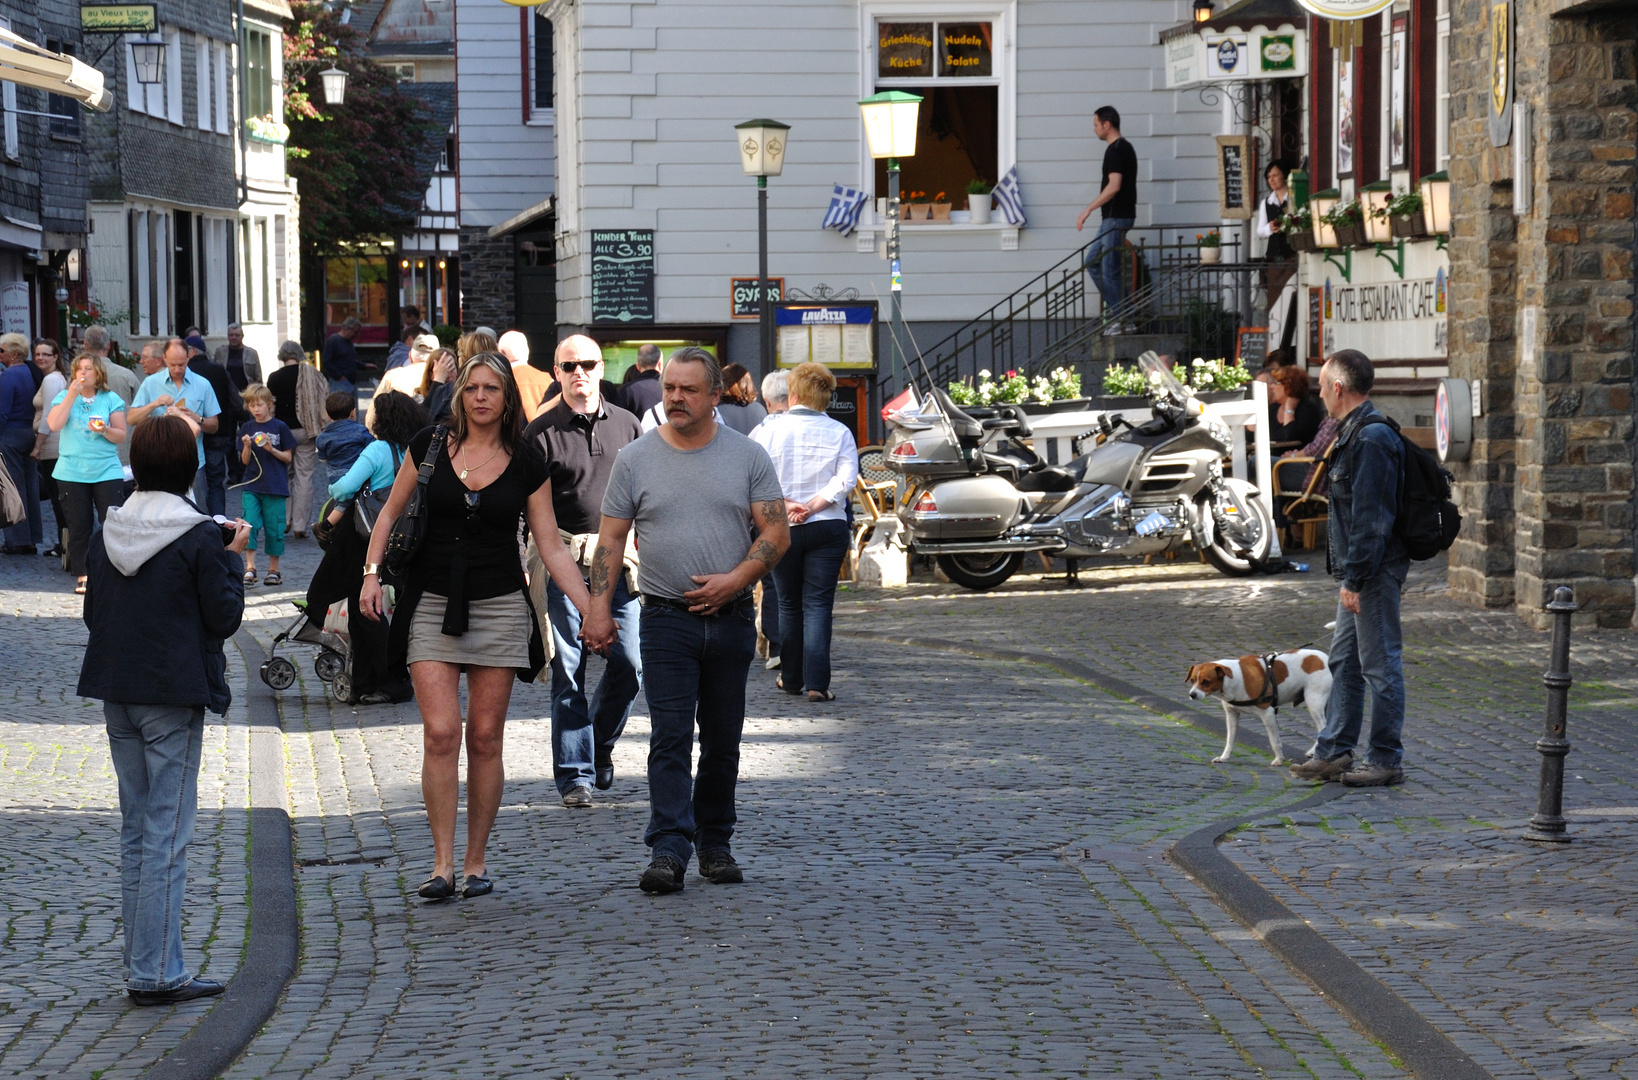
1367	478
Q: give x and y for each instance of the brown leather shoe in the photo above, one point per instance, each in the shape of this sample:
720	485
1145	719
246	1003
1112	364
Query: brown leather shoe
1322	771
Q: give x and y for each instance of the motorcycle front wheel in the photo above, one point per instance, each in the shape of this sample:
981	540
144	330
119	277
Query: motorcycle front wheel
1246	537
981	571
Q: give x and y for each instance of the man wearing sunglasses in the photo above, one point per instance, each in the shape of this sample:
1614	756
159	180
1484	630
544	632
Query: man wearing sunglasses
579	436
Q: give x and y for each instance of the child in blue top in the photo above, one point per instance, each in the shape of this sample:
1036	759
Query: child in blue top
344	438
266	441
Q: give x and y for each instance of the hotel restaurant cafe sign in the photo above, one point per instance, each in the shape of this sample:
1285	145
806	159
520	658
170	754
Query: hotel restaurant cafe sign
1199	55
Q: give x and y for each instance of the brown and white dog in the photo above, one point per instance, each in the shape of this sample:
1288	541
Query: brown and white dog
1243	687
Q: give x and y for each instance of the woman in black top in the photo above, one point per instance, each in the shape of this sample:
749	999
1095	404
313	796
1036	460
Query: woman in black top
1296	414
465	604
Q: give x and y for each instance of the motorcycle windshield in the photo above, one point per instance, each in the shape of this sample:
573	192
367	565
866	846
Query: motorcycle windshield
1162	383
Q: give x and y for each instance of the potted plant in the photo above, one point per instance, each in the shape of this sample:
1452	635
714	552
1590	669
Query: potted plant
1211	246
1347	219
1405	215
1124	388
978	202
1298	229
1215	380
939	209
1059	390
913	206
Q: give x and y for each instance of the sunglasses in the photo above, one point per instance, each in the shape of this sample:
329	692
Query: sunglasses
584	365
474	499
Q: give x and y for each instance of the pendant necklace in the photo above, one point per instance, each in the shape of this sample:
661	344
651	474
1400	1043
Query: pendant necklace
466	467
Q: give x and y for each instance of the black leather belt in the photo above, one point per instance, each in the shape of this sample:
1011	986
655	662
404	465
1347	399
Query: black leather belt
650	600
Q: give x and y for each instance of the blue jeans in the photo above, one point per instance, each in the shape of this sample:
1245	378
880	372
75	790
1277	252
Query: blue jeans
346	385
582	736
212	479
156	751
1366	650
806	578
1103	260
694	671
16	444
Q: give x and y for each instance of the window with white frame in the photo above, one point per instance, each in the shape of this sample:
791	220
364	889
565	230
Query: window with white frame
258	76
538	32
1441	121
958	58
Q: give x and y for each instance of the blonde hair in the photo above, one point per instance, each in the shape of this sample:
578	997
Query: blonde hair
472	344
812	385
257	392
99	370
511	423
17	343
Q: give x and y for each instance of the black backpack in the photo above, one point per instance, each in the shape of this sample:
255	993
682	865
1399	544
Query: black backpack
1428	521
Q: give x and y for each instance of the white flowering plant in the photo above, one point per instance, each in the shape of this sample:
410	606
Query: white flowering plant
1200	374
1015	388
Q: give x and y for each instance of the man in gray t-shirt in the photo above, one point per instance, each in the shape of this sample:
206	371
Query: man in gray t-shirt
696	491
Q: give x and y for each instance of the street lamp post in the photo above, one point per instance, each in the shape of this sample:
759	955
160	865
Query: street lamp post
762	145
890	128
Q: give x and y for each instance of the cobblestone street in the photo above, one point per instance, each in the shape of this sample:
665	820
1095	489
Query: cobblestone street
955	869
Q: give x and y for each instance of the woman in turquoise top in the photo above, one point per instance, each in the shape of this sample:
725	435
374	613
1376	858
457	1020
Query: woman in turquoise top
90	421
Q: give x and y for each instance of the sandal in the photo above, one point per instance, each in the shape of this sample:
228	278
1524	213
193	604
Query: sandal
436	888
818	696
275	578
477	885
250	577
79	587
779	681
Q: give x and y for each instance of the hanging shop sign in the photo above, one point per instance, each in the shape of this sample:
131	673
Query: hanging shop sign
1242	54
119	18
839	336
1501	71
1387	320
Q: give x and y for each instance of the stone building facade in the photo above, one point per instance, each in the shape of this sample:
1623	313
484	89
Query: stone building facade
1543	308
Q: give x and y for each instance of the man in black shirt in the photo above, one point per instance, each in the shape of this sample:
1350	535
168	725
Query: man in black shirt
579	437
1118	199
340	359
642	390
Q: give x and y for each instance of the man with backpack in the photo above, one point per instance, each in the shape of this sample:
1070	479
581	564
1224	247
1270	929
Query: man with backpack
1366	553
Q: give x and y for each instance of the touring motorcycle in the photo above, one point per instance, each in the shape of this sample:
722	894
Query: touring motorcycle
972	493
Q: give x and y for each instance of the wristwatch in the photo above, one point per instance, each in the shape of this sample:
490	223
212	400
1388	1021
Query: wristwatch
372	568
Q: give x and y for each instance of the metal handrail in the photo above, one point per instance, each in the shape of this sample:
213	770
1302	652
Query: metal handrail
1052	312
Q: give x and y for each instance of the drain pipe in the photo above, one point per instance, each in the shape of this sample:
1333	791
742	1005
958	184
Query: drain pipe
238	108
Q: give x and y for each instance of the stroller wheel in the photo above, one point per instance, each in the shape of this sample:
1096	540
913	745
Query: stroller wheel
279	673
341	686
328	665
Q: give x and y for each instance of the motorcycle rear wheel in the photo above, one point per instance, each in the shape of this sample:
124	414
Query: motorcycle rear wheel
1227	555
981	571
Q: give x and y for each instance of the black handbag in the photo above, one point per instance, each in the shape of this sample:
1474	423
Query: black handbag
411	527
368	504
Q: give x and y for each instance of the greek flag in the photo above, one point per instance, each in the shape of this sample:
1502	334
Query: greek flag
845	206
1009	198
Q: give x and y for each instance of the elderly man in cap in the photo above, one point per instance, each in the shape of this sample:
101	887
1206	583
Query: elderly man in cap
407	377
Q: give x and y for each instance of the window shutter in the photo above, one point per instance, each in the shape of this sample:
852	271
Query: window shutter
173	78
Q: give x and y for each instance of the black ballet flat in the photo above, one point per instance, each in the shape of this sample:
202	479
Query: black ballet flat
477	886
436	887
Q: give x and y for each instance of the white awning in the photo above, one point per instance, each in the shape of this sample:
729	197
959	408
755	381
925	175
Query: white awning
27	64
541	209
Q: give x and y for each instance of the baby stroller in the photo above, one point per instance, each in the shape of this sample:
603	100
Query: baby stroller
333	664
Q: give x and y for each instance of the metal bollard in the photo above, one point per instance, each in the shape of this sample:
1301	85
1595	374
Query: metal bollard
1548	823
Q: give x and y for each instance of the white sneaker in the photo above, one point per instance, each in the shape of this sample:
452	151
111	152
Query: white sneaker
773	662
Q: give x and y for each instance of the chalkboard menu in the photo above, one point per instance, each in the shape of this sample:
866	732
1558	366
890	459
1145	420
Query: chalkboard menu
1316	325
1251	346
1236	177
622	276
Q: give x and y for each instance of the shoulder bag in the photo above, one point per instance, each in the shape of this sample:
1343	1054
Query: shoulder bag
367	504
410	529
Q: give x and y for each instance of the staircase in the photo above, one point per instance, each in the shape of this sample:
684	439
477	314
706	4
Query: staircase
1174	304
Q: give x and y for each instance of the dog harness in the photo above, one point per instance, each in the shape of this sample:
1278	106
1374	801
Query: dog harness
1270	697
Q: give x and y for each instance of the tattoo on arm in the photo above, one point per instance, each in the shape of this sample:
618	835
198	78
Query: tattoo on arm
771	512
764	553
600	573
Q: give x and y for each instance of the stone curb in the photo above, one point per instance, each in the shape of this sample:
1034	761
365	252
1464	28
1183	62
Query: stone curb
1381	1013
270	954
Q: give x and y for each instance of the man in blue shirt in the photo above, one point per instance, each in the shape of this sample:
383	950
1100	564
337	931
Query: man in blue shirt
17	444
340	359
178	389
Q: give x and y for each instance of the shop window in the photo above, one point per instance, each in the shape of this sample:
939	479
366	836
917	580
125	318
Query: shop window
357	286
959	67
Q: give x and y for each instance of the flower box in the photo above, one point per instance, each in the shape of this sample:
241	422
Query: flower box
1213	396
1410	227
1301	241
1350	235
1063	405
1119	402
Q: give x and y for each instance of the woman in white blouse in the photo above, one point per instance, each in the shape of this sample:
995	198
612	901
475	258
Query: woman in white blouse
817	463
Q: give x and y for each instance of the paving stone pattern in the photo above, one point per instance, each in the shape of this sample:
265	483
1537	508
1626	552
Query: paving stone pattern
1521	953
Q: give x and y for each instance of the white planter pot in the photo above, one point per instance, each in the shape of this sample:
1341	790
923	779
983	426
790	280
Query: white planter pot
1211	255
978	206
